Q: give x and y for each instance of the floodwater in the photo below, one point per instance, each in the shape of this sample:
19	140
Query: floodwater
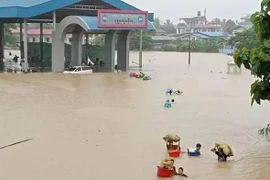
110	126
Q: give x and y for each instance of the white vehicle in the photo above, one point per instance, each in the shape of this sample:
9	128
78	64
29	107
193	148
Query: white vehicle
79	70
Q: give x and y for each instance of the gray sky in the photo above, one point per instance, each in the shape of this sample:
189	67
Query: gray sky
174	9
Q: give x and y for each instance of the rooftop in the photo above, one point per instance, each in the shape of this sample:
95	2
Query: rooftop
212	34
197	18
19	9
204	35
163	38
207	26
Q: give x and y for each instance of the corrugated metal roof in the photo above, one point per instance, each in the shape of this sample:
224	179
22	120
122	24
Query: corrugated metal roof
162	38
21	3
212	34
32	8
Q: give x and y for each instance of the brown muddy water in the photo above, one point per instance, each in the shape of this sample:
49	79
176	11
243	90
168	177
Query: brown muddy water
110	126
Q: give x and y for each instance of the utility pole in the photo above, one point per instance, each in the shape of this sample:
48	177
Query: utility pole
189	48
140	53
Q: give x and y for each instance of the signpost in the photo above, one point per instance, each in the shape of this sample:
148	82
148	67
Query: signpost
122	19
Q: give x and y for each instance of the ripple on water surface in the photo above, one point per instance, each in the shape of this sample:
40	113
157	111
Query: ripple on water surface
110	126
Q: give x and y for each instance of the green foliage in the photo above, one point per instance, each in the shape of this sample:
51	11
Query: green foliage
170	47
229	26
199	45
247	39
257	60
9	38
99	40
157	23
169	27
146	40
93	51
134	40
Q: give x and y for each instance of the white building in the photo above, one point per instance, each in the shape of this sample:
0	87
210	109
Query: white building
196	24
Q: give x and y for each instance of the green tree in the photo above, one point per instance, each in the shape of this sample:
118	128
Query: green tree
146	42
257	60
229	26
169	27
199	45
9	38
157	23
99	40
216	21
247	38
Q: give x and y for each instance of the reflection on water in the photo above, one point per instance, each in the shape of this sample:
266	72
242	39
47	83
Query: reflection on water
110	126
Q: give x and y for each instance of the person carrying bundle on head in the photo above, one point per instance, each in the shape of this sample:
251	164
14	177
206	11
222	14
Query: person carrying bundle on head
170	139
223	151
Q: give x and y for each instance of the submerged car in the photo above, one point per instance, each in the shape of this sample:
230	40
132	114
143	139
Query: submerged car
79	70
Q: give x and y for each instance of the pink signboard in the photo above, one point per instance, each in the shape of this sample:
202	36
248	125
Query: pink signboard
108	18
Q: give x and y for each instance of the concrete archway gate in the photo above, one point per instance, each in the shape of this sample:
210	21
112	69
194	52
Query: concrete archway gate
79	25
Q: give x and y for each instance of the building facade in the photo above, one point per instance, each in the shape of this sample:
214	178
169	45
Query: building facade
34	36
195	24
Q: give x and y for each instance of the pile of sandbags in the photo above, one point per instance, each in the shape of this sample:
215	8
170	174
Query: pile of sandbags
171	138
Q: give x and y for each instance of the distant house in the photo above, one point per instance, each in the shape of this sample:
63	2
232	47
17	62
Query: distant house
34	35
207	28
203	35
160	41
238	29
196	24
241	28
160	32
243	25
186	25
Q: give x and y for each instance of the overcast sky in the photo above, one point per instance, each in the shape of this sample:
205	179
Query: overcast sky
174	9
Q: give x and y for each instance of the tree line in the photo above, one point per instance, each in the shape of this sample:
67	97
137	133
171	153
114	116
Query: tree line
168	26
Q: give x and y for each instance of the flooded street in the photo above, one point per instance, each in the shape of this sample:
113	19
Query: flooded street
110	126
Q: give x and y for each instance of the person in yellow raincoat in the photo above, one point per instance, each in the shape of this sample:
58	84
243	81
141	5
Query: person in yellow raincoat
223	151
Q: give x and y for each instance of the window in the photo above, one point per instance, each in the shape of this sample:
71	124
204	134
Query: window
86	68
78	69
34	39
71	69
47	39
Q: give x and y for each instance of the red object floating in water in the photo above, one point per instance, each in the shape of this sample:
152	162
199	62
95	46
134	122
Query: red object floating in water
174	153
162	172
132	74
